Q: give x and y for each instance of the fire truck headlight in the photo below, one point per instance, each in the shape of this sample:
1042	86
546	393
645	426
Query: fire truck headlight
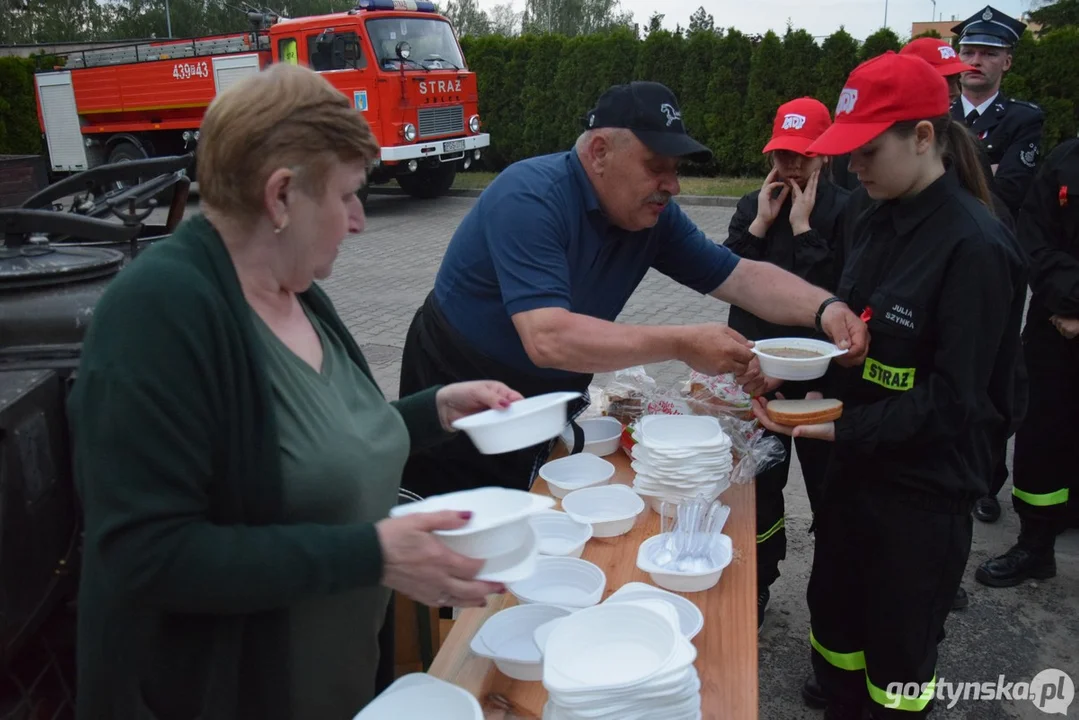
474	123
409	132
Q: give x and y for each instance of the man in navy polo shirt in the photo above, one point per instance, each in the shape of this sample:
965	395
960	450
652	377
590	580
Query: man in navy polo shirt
544	262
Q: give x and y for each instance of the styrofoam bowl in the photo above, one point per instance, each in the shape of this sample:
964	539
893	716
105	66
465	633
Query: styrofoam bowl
524	423
722	552
782	368
563	581
602	435
611	510
560	535
574	472
507	639
420	695
499	522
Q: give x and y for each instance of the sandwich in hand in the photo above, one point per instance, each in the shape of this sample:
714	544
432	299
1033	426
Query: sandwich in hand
804	412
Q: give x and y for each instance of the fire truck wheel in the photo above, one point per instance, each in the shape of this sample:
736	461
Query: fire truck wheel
429	183
124	152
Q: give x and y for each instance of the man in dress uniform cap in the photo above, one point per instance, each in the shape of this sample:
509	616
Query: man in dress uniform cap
1011	134
1010	129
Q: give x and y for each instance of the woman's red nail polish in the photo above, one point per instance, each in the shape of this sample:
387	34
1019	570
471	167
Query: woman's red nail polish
465	514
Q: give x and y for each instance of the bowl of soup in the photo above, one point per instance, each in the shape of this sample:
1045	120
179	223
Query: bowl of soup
795	358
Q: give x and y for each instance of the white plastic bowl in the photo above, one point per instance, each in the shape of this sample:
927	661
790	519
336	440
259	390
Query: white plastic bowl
419	695
690	617
574	472
602	436
611	510
560	535
563	581
499	522
523	424
682	433
782	368
608	647
722	553
517	564
507	638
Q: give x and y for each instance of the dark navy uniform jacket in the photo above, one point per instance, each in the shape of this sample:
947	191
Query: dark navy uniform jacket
1049	233
945	284
1011	133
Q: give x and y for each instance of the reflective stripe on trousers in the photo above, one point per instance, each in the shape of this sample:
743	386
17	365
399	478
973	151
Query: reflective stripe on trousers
855	662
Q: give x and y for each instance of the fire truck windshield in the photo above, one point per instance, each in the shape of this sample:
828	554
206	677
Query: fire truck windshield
432	43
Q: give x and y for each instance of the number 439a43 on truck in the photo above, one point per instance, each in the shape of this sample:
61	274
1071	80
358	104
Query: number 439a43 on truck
398	61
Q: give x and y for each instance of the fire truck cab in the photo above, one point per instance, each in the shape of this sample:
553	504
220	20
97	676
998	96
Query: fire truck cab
398	61
401	64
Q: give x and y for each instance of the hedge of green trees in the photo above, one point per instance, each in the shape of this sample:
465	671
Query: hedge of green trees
534	89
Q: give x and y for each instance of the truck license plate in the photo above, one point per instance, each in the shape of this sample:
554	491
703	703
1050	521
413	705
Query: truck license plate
453	146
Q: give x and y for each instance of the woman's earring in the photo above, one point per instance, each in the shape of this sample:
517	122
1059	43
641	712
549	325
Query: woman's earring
277	230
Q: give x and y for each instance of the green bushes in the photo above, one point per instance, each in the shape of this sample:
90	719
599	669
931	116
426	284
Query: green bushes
19	130
535	89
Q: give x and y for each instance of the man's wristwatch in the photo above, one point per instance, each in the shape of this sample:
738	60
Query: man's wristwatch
820	311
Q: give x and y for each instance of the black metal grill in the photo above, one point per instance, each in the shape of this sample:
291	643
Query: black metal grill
441	120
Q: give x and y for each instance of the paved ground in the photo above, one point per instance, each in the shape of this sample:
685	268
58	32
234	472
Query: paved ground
382	276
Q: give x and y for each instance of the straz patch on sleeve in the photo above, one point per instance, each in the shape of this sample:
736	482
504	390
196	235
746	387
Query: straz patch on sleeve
887	376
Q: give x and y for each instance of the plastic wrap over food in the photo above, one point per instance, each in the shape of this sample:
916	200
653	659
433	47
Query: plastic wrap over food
632	393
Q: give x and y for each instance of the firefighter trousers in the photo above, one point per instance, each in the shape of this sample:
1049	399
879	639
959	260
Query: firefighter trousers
886	566
1045	475
771	523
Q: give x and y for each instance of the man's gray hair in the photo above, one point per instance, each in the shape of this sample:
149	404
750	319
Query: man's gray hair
617	137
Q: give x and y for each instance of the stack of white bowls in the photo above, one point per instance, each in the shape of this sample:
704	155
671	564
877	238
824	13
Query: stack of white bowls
499	532
619	661
679	457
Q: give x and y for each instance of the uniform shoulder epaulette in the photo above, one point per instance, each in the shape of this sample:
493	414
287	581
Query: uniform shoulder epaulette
1027	103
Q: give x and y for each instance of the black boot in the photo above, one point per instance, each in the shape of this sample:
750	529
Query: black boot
1016	565
762	604
987	509
813	693
961	600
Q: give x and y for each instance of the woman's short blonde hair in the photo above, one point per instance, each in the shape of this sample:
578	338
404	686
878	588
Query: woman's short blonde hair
285	116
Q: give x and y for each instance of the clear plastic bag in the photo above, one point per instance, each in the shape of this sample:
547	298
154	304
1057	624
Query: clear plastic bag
632	394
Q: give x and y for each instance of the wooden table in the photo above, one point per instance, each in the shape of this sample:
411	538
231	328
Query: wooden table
726	647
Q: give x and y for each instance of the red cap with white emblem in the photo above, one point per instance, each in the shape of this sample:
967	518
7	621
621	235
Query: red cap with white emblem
937	53
880	92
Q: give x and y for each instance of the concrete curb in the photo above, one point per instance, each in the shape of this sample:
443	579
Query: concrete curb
702	200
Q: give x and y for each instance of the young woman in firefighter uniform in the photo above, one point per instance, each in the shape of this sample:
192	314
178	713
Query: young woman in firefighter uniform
793	221
912	450
1045	479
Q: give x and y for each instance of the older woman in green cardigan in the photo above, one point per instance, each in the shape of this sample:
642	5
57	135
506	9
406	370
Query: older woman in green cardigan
235	459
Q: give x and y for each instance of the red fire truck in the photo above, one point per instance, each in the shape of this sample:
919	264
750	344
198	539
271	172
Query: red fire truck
398	60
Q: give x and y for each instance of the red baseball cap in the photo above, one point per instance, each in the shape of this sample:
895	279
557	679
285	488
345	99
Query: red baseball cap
880	92
937	53
797	124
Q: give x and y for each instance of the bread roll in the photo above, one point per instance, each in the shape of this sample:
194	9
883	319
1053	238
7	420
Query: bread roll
804	412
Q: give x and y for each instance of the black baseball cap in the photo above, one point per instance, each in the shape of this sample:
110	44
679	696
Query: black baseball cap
651	111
